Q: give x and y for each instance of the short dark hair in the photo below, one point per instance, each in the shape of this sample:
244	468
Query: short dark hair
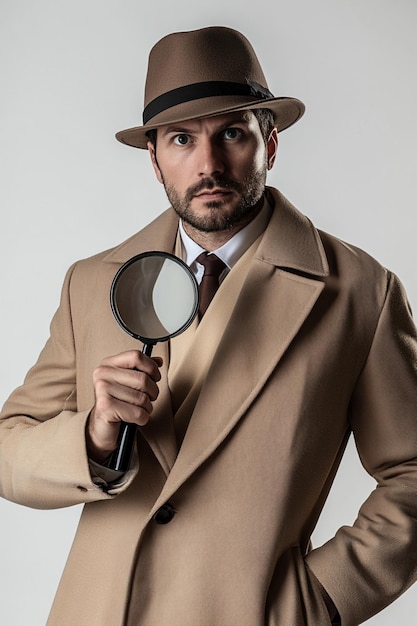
266	121
151	135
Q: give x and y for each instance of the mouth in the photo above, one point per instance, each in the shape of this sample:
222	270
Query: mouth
213	194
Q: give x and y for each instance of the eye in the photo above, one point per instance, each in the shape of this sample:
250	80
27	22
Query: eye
232	133
181	140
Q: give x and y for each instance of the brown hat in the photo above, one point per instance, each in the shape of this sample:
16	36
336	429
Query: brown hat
205	72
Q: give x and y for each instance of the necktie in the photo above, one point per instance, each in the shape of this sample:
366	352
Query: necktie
213	267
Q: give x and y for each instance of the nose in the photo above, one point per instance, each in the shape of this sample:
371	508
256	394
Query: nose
210	158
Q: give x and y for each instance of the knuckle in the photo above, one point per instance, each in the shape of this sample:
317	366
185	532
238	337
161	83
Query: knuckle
143	401
100	387
98	374
104	404
140	379
153	393
142	417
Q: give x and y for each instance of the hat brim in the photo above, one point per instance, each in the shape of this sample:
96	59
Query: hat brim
286	112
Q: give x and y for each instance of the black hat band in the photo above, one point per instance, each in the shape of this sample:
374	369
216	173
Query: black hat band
206	89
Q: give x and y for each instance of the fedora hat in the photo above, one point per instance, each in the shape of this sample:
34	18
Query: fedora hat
201	73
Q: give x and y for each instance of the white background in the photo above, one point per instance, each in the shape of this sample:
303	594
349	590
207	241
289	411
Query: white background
72	74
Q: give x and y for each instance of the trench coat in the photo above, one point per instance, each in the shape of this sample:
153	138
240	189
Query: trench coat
320	345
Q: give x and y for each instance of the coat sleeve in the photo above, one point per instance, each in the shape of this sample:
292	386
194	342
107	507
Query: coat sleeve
43	458
367	566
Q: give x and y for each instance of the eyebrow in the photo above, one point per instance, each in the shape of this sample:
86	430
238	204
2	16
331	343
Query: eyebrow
241	119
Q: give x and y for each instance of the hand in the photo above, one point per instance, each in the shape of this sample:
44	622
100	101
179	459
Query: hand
125	386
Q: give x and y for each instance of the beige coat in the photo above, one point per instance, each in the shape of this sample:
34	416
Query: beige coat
319	344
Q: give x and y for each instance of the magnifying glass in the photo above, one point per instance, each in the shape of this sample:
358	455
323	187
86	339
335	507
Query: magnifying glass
154	297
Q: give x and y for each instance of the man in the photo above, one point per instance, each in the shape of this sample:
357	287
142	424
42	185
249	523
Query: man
243	419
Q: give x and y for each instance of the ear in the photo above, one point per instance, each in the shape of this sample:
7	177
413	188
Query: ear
272	147
152	154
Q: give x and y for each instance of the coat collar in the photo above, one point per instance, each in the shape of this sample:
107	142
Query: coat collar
291	241
159	235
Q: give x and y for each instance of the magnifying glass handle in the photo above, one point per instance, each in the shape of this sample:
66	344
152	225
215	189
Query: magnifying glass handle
120	459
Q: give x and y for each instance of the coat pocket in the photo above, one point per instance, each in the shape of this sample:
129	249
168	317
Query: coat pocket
294	596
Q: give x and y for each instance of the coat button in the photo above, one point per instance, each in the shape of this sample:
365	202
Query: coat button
165	514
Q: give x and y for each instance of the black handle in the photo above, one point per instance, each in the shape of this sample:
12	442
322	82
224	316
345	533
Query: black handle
120	459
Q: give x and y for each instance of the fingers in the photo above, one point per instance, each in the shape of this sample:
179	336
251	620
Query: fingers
134	360
125	387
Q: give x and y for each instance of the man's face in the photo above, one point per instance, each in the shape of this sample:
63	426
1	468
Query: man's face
214	169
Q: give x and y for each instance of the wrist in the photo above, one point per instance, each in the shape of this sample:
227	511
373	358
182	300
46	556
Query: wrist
99	448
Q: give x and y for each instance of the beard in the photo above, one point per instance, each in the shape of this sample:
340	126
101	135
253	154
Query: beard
249	192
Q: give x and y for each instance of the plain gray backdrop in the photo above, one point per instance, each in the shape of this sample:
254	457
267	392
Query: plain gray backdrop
72	74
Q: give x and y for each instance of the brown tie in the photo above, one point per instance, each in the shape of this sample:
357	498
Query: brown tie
213	267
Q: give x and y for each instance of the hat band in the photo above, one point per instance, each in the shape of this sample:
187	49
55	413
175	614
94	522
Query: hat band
207	89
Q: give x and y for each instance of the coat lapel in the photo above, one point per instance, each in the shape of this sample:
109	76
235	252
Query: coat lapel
283	283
